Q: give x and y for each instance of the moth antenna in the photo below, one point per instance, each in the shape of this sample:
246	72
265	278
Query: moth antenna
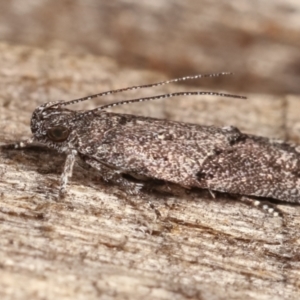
161	97
144	86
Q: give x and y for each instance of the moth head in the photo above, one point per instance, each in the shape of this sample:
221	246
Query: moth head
50	123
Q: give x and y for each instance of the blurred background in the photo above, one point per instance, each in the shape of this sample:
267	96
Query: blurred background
258	39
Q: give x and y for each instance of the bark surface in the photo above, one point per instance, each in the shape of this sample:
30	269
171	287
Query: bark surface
101	243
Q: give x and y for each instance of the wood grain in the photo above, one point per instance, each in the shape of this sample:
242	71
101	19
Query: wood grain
100	243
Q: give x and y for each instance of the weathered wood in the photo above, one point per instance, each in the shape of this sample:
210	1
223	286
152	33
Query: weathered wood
101	243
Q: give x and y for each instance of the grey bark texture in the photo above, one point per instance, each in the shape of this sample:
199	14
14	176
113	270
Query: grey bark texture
99	243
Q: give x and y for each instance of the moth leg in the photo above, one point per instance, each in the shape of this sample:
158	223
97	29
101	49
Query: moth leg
114	176
18	145
67	172
132	187
263	205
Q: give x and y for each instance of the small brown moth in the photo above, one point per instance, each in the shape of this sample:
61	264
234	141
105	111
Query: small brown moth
130	150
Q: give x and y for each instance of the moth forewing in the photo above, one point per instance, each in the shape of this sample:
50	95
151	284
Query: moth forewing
189	155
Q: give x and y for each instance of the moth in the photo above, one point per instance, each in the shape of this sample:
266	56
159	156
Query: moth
131	150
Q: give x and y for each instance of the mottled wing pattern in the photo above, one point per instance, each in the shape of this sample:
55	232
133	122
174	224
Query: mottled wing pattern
159	149
256	167
221	159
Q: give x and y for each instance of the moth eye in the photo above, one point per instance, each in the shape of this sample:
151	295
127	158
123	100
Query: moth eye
58	133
